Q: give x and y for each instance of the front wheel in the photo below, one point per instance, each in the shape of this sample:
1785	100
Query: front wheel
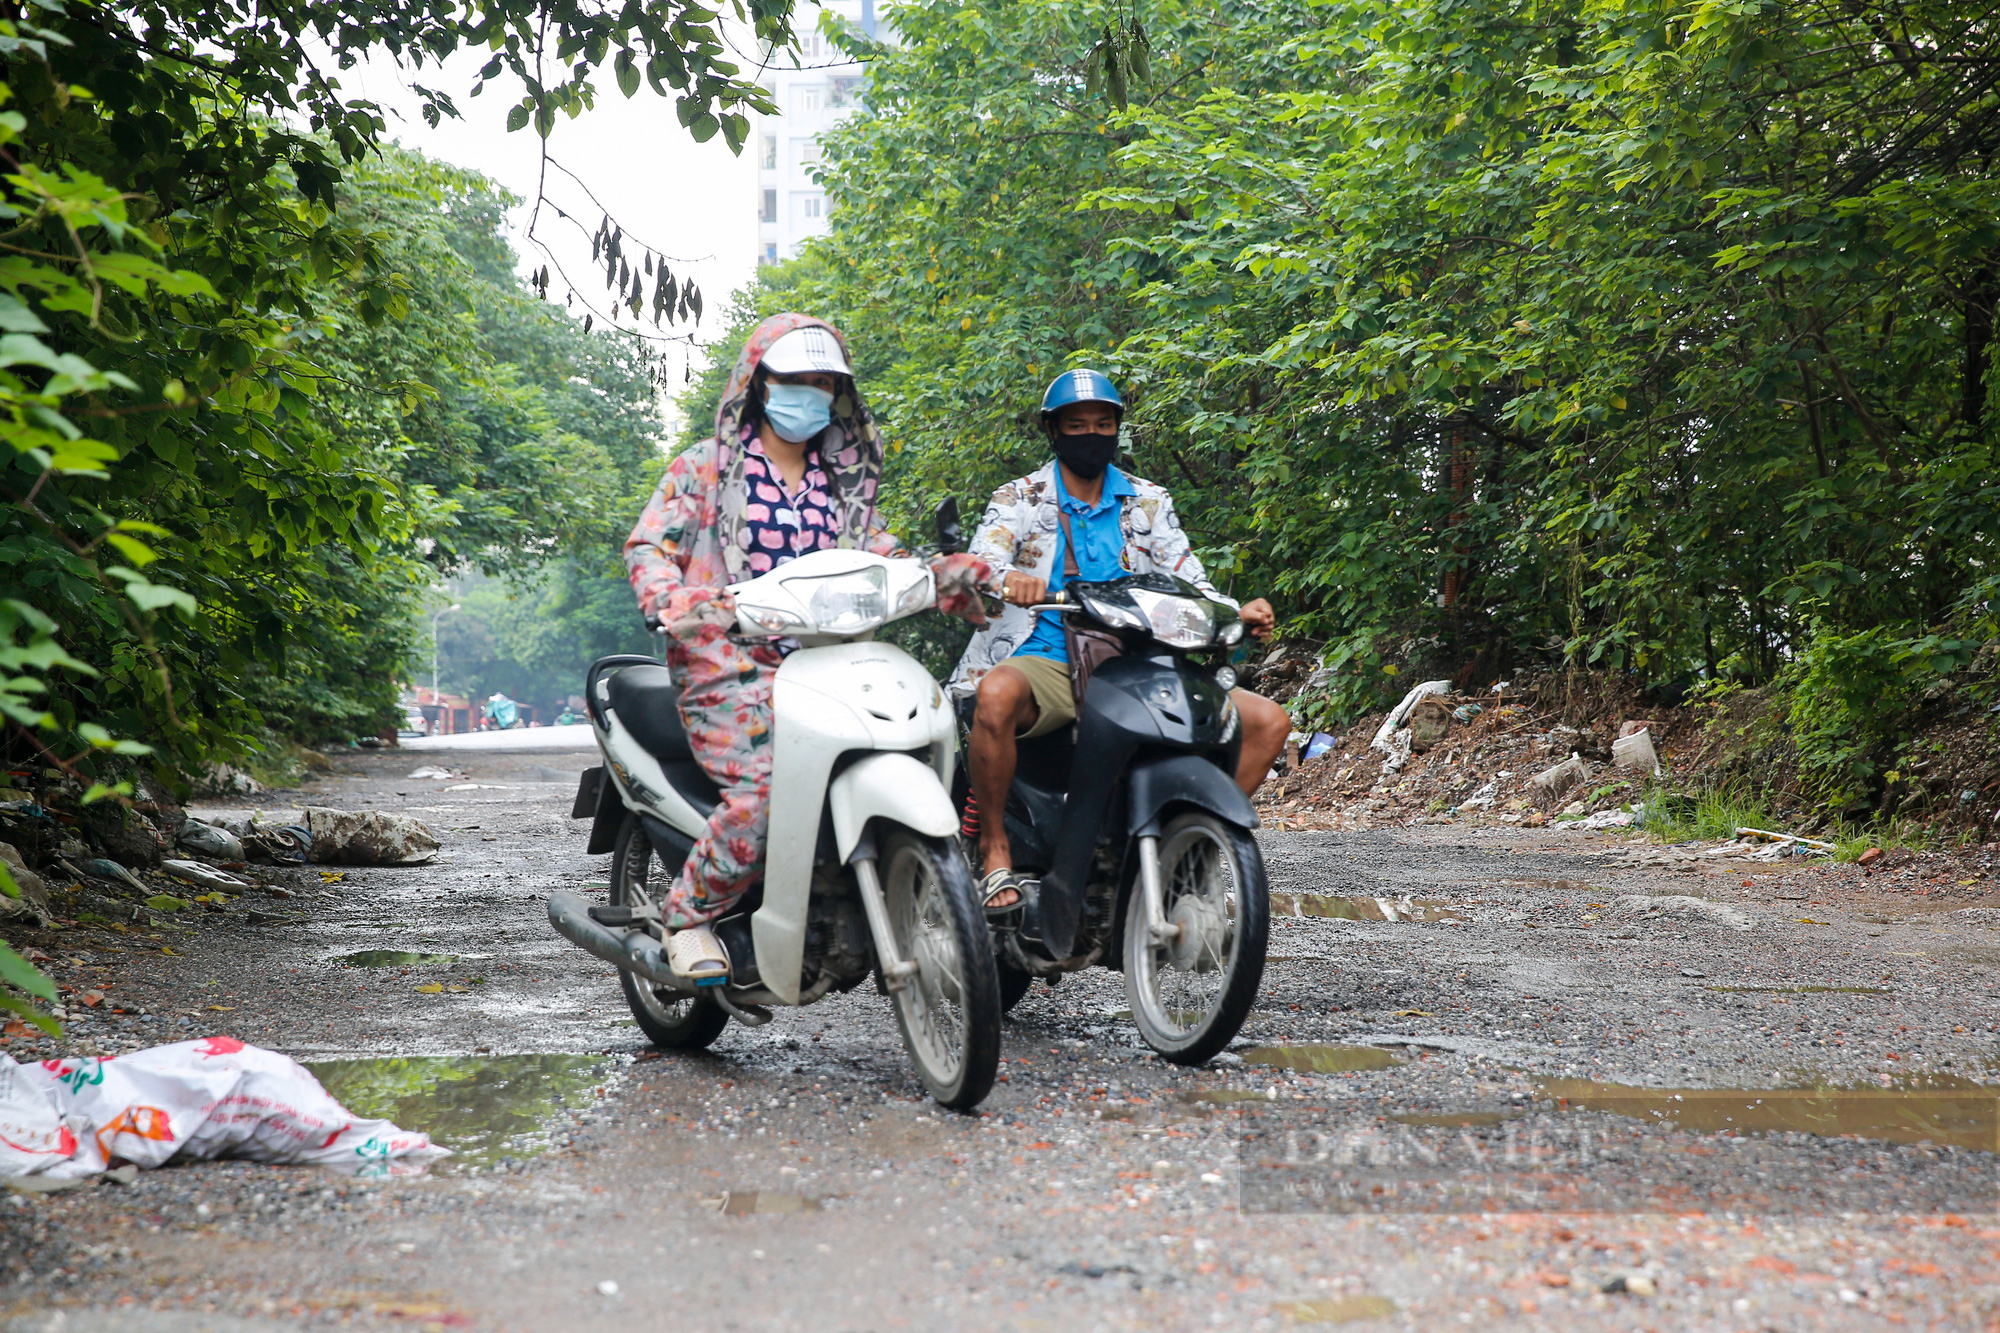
1191	992
671	1020
949	1010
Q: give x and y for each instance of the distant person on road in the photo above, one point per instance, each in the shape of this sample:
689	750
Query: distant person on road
792	468
502	712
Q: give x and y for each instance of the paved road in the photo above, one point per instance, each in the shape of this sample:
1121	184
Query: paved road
795	1177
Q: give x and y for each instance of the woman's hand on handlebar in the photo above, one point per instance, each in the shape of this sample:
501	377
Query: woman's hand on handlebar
959	579
1024	589
699	615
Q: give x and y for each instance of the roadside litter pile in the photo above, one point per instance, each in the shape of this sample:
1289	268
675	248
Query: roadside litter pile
1439	757
66	1120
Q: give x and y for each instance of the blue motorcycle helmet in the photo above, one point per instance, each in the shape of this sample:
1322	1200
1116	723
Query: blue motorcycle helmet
1079	386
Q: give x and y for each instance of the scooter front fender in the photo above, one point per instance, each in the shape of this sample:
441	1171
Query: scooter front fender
900	787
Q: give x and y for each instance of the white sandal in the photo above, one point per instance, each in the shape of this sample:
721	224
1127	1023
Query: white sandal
696	954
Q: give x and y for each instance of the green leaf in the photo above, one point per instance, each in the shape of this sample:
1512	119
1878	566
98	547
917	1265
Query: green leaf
22	975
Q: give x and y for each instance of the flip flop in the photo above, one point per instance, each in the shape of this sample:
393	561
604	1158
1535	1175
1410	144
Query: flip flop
997	883
696	954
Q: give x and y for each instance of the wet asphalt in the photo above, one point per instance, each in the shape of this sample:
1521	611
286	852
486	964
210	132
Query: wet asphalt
1474	1000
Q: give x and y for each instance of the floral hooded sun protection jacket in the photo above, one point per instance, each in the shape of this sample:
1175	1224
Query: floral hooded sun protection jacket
693	539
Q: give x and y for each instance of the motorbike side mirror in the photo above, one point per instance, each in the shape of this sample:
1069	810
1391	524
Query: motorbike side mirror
950	533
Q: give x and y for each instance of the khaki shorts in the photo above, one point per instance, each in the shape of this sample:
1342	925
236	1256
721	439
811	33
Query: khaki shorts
1055	705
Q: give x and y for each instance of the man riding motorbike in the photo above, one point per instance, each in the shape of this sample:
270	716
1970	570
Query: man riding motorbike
793	467
1018	666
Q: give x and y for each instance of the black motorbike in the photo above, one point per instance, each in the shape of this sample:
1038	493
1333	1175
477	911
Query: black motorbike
1133	827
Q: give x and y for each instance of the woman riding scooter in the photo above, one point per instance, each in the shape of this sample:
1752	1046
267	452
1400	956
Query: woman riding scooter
793	467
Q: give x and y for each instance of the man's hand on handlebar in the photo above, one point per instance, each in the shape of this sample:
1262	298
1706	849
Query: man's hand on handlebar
1024	589
1258	618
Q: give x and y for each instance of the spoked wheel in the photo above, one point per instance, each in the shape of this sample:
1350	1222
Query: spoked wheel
670	1020
1191	992
950	1009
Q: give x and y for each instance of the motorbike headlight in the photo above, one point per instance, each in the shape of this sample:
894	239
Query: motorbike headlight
848	603
1230	633
1178	622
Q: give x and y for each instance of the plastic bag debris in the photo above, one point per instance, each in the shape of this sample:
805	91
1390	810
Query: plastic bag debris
369	838
1390	739
203	1099
208	840
434	774
1321	742
1633	752
1552	782
103	869
286	844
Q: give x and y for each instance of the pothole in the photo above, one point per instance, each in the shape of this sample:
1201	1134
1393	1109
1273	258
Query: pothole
393	958
485	1108
1311	1059
1362	909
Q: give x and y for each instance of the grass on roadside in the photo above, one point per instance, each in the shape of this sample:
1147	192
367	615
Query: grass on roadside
1717	812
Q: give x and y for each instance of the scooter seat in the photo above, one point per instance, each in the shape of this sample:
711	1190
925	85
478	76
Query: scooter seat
648	706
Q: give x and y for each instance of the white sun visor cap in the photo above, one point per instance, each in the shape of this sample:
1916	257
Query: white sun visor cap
803	351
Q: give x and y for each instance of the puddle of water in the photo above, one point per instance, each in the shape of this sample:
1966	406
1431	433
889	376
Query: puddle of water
1320	1059
394	958
1803	990
1337	1309
1941	1109
1361	909
482	1107
744	1203
1460	1119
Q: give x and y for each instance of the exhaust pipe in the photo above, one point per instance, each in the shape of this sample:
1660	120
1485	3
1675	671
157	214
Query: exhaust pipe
629	950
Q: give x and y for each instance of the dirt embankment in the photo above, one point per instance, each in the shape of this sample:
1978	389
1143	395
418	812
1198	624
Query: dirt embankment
1545	750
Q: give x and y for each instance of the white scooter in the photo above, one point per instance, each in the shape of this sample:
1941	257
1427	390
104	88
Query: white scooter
862	874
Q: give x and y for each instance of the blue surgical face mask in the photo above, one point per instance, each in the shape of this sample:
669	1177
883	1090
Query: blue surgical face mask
797	412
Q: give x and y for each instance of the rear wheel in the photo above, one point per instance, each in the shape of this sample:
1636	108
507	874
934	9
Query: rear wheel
670	1020
950	1009
1190	993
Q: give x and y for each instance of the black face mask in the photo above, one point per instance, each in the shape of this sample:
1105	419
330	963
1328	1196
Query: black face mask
1087	455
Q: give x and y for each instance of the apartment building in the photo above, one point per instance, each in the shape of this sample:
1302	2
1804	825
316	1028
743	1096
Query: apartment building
812	99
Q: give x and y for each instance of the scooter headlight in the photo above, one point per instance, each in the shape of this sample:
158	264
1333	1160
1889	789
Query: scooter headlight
849	603
1178	622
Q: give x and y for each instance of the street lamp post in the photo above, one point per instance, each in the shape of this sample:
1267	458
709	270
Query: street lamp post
435	701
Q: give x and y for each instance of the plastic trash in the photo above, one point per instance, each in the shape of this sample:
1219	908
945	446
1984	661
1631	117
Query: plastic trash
1552	782
104	869
1466	712
286	844
206	876
1392	741
369	838
1321	742
434	774
204	1099
208	840
1634	753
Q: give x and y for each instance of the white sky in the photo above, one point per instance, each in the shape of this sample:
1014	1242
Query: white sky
696	203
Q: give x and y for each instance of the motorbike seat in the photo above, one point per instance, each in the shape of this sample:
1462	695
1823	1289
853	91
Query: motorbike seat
648	705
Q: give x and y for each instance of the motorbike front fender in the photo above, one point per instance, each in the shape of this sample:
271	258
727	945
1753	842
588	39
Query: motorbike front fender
892	786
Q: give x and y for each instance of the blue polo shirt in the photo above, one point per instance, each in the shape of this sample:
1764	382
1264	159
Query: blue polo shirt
1100	554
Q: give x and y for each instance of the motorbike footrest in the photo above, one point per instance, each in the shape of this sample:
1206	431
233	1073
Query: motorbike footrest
616	917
